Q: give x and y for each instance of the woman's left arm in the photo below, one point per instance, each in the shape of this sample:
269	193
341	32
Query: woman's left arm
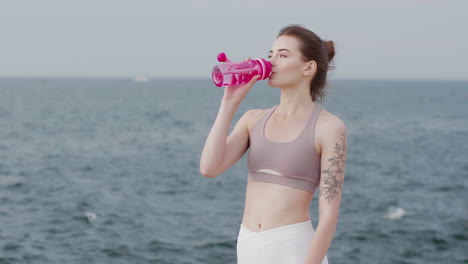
333	161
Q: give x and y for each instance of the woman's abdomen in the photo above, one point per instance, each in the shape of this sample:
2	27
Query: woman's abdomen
269	205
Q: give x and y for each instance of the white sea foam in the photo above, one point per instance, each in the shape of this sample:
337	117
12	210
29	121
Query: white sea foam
90	216
395	213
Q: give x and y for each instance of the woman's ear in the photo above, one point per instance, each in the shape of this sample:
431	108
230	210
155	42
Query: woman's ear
311	68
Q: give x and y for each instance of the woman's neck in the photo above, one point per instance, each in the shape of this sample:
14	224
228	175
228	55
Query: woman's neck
294	102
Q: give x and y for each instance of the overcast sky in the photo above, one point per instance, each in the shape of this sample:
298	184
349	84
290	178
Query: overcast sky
375	39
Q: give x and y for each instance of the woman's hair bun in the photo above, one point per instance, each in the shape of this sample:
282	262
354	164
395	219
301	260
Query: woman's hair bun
330	47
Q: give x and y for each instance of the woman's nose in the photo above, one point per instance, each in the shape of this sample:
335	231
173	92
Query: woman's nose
272	61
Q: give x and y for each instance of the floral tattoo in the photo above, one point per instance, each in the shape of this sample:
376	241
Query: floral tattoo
334	175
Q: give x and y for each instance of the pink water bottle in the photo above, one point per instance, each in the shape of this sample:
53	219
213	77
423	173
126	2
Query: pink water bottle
231	73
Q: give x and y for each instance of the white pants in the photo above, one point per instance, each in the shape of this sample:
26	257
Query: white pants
286	244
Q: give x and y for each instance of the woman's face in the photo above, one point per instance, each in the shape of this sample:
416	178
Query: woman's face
287	62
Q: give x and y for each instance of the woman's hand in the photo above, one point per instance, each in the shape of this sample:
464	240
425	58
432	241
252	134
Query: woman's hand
236	93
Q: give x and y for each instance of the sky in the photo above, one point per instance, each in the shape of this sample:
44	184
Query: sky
374	39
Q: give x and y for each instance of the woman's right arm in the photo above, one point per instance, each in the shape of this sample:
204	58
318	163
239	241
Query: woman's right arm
222	151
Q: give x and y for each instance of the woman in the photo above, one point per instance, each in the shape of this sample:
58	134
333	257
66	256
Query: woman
295	147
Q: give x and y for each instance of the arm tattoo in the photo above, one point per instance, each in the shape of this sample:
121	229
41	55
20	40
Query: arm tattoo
334	175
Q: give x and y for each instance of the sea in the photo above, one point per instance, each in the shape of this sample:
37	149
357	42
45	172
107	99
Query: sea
106	170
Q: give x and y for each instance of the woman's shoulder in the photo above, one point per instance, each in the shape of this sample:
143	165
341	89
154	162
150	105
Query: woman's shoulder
329	124
325	115
254	115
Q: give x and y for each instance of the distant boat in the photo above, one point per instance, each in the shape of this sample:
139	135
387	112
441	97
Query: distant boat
141	79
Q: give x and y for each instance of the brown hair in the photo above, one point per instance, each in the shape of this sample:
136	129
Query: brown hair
313	48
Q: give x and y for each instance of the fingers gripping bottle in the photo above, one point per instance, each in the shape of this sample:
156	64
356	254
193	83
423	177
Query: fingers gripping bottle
231	73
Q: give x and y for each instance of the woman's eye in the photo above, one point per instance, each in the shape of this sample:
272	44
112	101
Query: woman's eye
281	56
